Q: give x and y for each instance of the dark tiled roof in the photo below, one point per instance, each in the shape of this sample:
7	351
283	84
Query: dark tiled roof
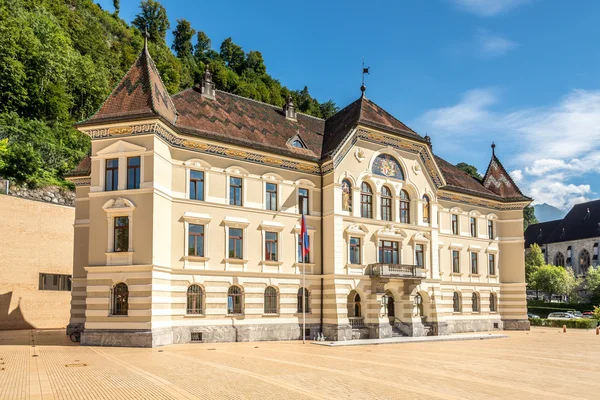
236	119
459	181
82	169
140	93
365	112
499	181
578	223
539	233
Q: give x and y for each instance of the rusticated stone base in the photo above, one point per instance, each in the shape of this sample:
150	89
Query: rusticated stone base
73	327
337	332
516	325
472	325
380	331
203	334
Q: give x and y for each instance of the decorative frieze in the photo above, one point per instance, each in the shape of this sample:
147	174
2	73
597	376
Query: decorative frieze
475	201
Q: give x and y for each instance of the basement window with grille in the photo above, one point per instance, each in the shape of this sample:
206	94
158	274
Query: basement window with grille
196	337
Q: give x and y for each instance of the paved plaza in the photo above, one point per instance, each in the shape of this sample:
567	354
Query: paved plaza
542	364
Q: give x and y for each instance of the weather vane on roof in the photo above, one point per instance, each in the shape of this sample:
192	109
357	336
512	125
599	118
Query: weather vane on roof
364	71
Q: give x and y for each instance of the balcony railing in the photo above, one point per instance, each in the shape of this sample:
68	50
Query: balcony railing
395	270
357	322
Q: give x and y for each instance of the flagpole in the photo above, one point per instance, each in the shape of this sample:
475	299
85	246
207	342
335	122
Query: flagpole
303	296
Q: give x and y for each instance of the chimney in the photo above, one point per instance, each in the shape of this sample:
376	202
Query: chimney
289	109
208	87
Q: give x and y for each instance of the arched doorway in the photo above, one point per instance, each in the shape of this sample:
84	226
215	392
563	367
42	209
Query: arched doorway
389	306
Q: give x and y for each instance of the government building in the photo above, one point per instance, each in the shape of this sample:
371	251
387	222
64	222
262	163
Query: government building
189	209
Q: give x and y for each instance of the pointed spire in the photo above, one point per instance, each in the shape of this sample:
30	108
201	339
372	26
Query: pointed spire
493	149
363	88
498	180
146	36
140	92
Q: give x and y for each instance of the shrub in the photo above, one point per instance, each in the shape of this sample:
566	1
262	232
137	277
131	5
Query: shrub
578	323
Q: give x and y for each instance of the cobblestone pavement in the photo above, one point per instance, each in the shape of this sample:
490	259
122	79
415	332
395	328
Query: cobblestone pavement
542	364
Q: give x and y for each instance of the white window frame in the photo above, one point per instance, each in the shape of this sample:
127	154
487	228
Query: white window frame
234	264
119	207
311	254
120	150
196	219
273	227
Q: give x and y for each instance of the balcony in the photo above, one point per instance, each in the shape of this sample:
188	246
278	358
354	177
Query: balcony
357	322
395	271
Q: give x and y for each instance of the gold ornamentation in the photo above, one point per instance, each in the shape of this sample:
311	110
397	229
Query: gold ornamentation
126	130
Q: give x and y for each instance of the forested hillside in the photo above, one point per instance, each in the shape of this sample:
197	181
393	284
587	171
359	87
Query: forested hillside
59	59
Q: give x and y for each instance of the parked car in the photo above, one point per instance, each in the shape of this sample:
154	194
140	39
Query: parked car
561	315
588	314
530	315
577	314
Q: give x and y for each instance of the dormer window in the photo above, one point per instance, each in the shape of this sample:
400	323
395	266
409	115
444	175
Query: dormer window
297	142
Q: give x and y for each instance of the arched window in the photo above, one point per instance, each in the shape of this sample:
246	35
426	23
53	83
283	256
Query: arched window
271	300
404	207
120	299
366	200
386	204
194	300
559	259
426	209
584	261
346	195
234	300
456	302
357	308
493	303
306	300
475	302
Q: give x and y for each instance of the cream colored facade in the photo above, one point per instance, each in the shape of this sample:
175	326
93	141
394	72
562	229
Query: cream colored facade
37	240
158	271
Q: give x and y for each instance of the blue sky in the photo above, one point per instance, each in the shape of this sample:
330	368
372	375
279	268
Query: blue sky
523	73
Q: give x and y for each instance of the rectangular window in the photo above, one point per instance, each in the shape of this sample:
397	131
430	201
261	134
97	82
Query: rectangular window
455	261
55	282
491	229
236	243
473	227
388	252
121	234
133	172
196	185
271	246
235	191
355	250
196	240
306	258
111	178
419	255
454	224
303	201
491	264
271	196
474	266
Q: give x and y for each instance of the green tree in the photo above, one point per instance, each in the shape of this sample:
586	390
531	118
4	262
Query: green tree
469	169
328	108
529	217
3	152
117	6
255	62
534	260
554	280
592	284
182	39
232	55
153	17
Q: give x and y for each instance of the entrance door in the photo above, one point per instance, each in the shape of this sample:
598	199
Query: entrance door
390	309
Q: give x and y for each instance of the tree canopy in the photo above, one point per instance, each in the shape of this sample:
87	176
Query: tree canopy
529	217
469	169
59	60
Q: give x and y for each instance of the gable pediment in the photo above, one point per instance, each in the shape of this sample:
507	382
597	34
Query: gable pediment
121	146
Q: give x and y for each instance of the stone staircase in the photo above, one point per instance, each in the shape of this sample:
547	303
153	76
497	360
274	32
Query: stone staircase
396	332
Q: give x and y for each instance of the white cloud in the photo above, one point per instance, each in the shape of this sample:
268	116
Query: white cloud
488	8
491	45
551	145
517	176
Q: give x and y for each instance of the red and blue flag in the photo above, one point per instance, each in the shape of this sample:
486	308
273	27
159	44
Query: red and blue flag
304	234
